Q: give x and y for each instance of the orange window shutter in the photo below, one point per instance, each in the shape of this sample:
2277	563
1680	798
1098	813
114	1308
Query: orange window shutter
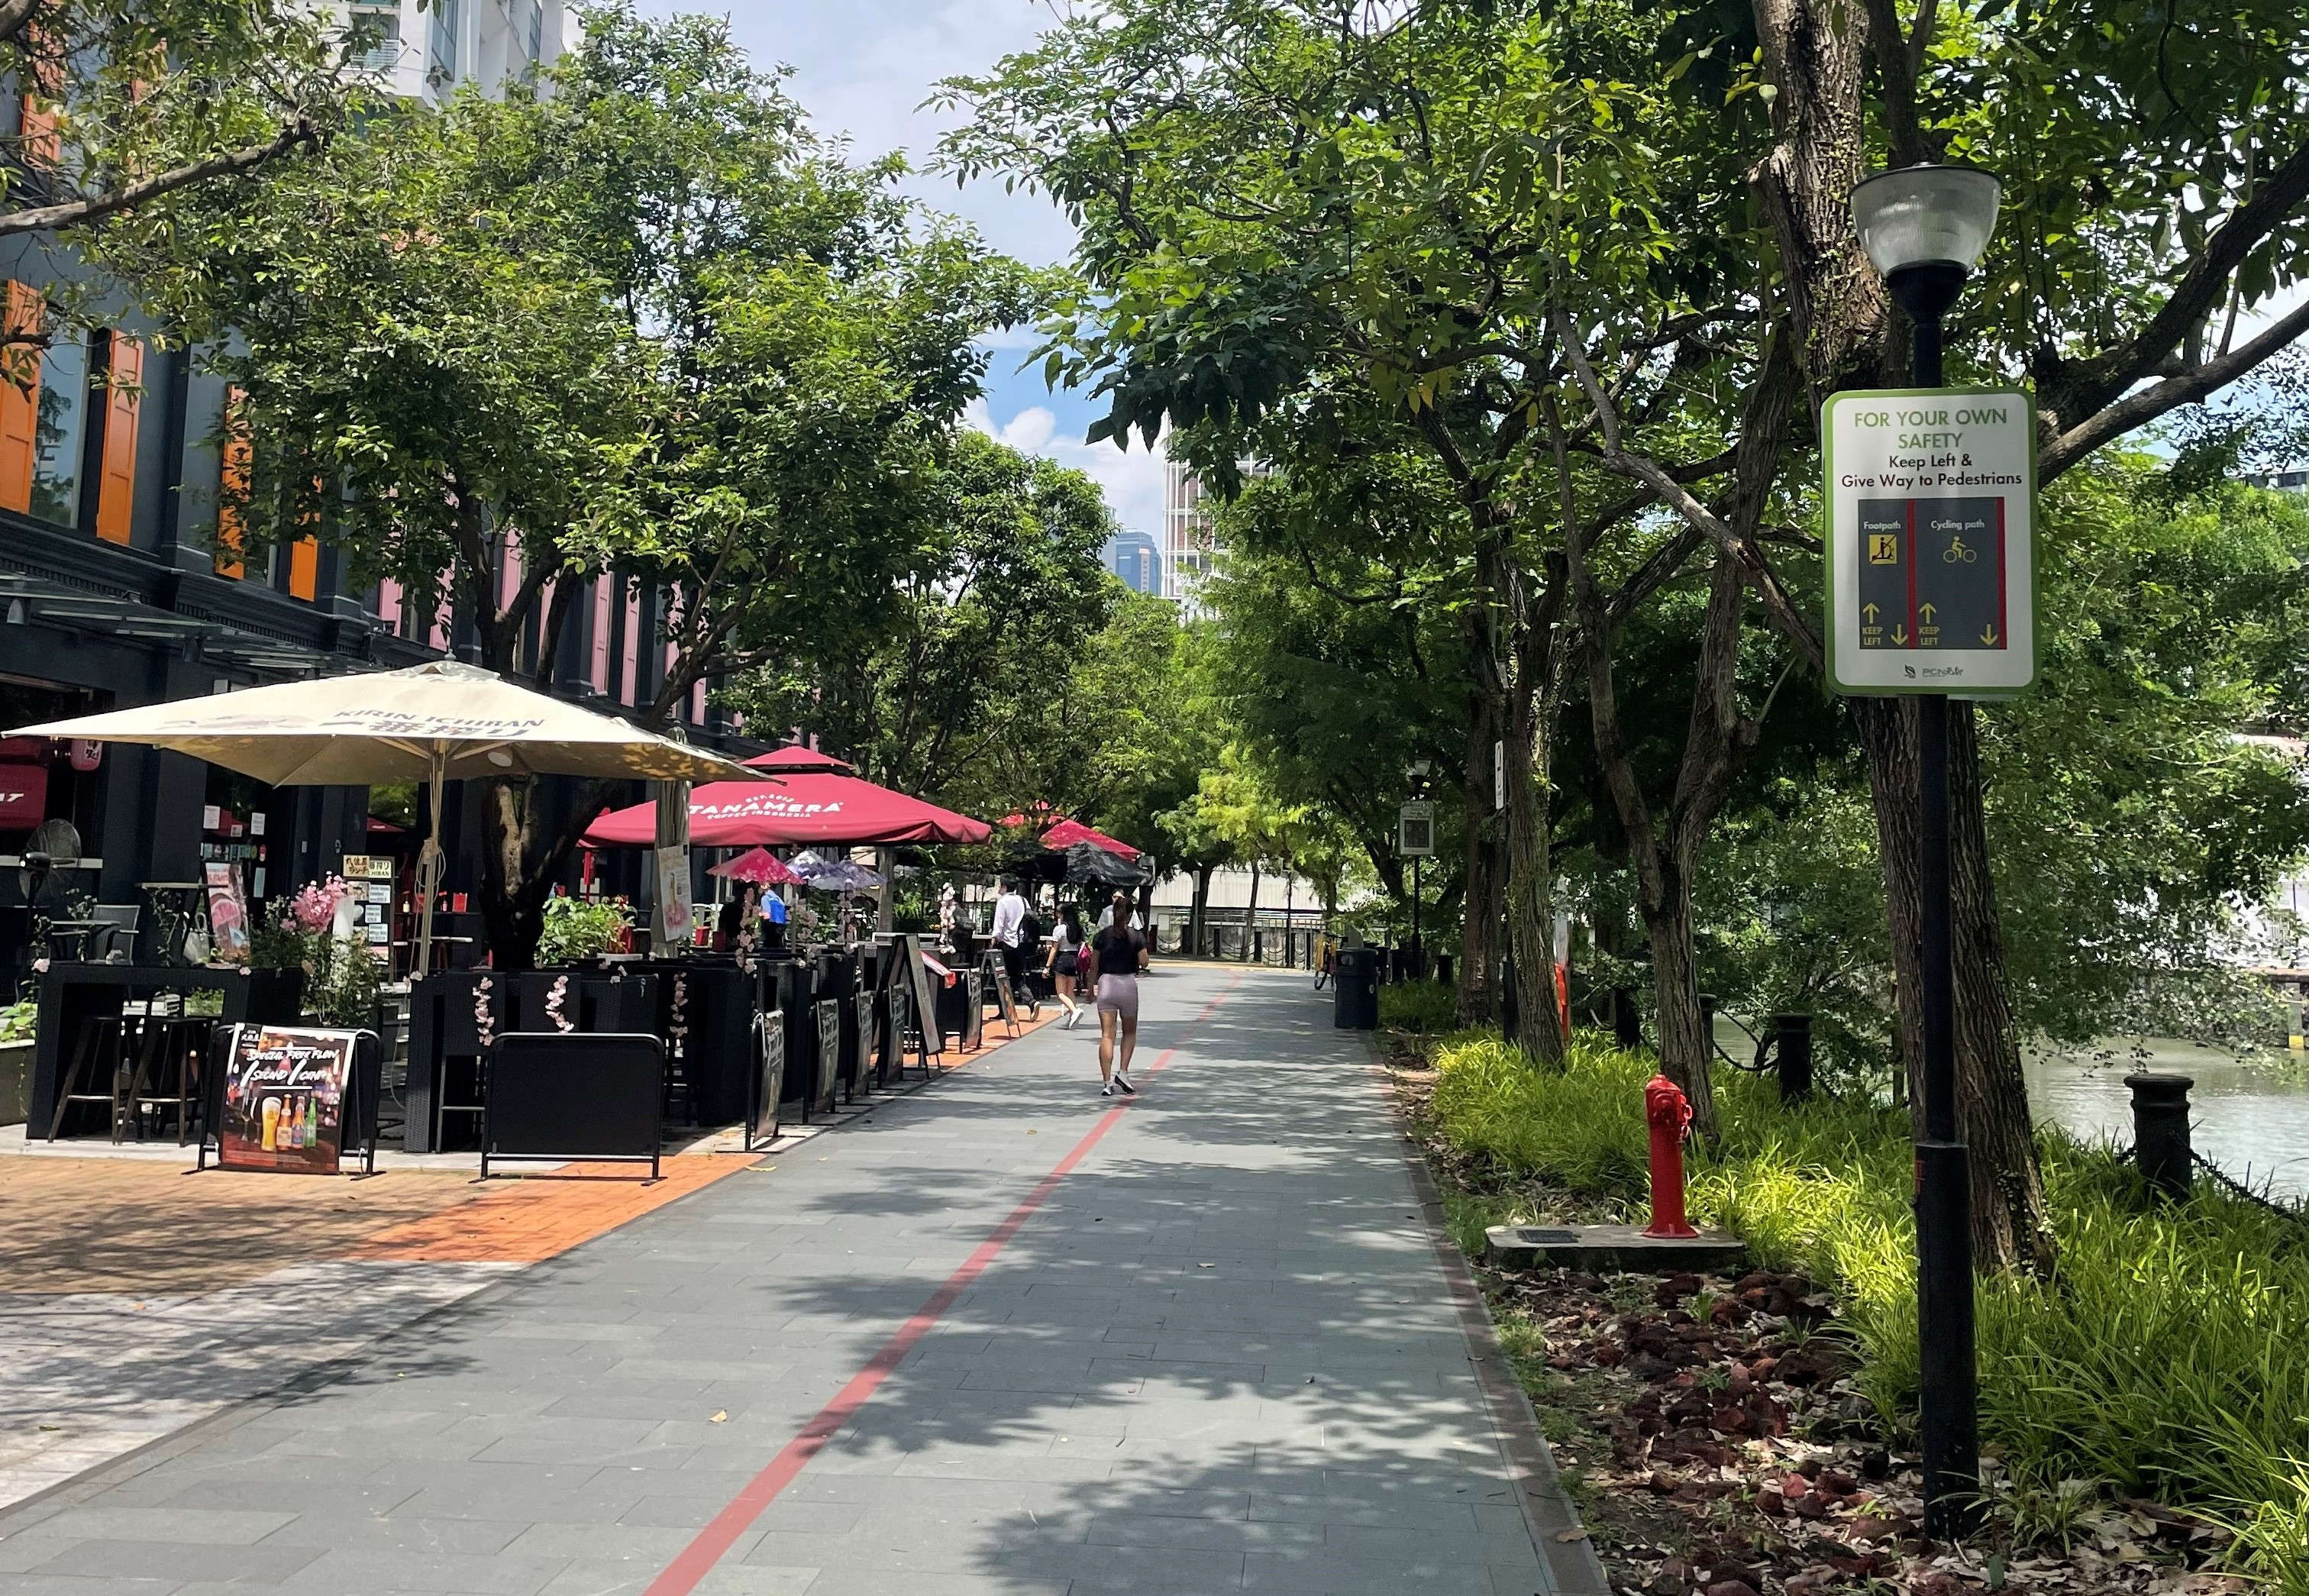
234	462
115	493
305	553
39	144
20	399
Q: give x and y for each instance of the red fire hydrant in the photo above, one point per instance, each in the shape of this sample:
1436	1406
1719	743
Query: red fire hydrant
1669	1116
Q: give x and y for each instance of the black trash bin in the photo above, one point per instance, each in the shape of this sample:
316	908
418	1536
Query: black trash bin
1355	989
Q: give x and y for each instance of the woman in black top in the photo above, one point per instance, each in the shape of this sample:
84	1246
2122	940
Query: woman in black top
1121	953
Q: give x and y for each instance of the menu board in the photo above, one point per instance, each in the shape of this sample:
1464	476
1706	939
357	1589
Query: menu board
284	1100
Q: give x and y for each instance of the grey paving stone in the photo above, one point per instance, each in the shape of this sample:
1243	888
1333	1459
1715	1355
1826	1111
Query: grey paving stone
125	1558
1097	1413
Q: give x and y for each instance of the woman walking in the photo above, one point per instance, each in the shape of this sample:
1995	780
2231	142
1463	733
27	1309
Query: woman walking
1119	954
1063	968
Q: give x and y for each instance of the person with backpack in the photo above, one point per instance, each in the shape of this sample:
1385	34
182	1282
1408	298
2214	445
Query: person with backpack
1118	954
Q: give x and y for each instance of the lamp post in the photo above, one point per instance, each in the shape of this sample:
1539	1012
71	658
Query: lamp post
1924	227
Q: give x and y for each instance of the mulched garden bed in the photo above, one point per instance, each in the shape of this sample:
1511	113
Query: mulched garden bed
1710	1430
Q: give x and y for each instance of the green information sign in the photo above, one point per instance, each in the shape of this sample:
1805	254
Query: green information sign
1932	545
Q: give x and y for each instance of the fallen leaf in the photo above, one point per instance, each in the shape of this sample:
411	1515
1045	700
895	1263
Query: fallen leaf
1571	1534
721	1416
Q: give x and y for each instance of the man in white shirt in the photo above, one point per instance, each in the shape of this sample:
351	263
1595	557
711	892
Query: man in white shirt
1009	922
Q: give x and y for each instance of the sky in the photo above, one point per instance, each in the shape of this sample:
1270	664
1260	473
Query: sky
863	68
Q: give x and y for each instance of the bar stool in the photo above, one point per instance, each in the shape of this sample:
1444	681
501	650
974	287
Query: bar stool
96	1057
168	1074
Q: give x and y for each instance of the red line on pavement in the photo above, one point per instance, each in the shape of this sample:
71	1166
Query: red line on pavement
681	1576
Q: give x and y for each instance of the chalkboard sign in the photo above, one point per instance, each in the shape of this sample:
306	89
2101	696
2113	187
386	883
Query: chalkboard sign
769	1078
925	999
901	1020
868	1077
576	1095
973	1024
1006	1000
829	1049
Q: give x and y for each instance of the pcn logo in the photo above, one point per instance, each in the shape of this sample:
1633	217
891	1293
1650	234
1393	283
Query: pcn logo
1911	670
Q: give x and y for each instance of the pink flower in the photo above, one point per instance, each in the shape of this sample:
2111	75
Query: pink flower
313	909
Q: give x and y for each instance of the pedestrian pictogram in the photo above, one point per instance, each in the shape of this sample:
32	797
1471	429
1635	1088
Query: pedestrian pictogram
1932	581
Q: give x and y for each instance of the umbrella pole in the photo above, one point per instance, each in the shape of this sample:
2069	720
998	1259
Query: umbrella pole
429	871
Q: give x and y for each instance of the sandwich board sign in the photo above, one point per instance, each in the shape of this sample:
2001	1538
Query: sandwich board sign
1932	541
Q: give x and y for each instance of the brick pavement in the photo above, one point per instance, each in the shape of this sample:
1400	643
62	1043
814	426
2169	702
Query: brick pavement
1219	1353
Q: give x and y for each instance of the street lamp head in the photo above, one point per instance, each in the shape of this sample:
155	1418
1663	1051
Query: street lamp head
1925	215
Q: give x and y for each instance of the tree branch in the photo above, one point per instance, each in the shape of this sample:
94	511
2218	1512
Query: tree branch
96	207
1678	498
2093	385
2138	409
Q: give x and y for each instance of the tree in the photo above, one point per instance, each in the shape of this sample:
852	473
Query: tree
1305	224
1335	674
973	651
1628	236
131	102
638	321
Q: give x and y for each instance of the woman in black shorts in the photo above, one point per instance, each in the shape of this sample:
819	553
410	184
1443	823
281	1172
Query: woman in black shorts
1119	953
1063	968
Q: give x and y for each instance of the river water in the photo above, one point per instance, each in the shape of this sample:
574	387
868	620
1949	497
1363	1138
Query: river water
2252	1122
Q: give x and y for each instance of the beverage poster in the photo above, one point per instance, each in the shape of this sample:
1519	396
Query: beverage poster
284	1100
227	912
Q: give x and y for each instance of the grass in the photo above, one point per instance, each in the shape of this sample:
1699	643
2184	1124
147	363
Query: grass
2169	1358
1423	1008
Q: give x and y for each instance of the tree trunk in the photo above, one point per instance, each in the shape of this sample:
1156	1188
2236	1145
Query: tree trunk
1198	916
1251	919
2010	1229
1528	715
1479	927
512	896
1687	1052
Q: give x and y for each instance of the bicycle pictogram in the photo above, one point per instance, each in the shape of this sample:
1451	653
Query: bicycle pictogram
1956	553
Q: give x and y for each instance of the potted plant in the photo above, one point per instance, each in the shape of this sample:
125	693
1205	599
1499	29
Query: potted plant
17	1021
341	976
578	931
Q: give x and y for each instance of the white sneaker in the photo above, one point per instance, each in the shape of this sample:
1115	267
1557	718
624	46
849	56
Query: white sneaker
1123	1081
1106	1091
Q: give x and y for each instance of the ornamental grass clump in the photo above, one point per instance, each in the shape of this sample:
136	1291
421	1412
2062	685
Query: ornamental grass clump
2168	1358
1423	1008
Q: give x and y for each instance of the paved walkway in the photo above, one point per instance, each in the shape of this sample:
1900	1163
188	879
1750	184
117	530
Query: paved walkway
998	1336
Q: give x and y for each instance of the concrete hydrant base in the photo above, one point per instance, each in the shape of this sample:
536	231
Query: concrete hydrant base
1609	1248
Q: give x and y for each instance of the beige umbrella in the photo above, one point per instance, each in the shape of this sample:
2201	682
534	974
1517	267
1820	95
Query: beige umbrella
434	723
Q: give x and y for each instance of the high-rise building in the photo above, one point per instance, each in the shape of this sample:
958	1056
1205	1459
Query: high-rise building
430	53
1190	546
1135	558
1188	542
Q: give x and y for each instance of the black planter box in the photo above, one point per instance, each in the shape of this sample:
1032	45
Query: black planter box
447	1045
705	1016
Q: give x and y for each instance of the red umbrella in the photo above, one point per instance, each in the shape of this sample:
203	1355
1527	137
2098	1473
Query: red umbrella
1065	834
759	866
809	803
794	756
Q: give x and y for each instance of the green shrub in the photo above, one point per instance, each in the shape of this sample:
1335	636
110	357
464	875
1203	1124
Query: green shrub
1423	1008
2169	1358
578	928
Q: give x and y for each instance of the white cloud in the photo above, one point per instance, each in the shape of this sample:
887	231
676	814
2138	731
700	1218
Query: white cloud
864	67
1130	480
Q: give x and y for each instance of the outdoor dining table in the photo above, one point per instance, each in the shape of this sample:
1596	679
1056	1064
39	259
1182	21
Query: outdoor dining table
75	997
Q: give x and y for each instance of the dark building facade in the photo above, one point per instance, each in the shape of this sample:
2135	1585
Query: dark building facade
118	587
